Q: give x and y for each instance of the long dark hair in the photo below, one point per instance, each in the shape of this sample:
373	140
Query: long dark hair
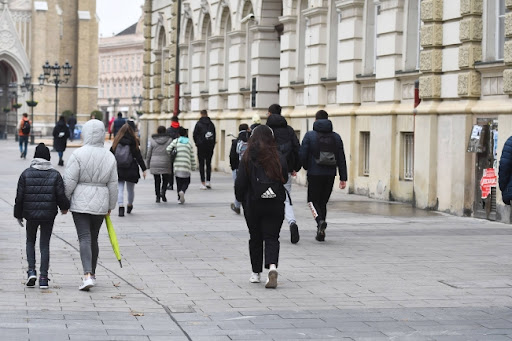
262	149
125	130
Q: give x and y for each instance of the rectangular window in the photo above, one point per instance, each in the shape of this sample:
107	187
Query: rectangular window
370	54
412	38
494	30
500	37
407	157
364	153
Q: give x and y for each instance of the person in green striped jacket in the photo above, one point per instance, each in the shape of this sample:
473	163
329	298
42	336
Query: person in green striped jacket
184	163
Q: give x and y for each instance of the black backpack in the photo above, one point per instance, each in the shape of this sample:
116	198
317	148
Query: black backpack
264	188
325	155
123	156
26	127
209	135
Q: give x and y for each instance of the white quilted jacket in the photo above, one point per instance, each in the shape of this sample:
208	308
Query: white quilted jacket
91	173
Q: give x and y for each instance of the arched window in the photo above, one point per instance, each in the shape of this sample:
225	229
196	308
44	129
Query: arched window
162	55
301	41
332	63
206	34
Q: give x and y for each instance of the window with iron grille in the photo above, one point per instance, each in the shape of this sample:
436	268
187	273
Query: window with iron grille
407	171
365	153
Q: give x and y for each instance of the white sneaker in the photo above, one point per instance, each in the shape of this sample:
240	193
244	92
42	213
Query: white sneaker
87	284
182	197
93	277
255	278
272	279
208	185
202	187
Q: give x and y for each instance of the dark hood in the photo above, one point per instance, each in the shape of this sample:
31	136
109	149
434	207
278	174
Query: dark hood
127	140
205	120
161	138
61	124
244	135
276	121
323	126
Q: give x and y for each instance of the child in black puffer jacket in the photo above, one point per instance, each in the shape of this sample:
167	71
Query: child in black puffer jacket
40	191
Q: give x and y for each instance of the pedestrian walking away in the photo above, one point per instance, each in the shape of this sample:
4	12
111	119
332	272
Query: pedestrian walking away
127	153
174	132
60	138
259	186
256	121
238	147
288	145
204	138
159	162
321	154
184	162
39	194
118	123
505	172
90	180
24	130
71	125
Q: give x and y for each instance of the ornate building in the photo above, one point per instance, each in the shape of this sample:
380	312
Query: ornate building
120	72
359	60
33	32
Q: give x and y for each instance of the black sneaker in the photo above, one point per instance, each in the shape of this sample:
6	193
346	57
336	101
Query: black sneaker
320	233
294	233
43	282
235	209
31	278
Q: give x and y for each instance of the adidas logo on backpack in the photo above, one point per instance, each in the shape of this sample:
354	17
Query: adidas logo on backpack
268	194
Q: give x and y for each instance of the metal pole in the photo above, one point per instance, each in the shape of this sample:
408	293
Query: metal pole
56	94
177	71
32	114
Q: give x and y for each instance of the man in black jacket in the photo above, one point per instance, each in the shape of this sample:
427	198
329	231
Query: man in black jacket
238	147
321	153
118	123
40	191
204	138
288	145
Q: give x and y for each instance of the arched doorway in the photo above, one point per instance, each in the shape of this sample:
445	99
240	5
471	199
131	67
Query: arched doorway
7	118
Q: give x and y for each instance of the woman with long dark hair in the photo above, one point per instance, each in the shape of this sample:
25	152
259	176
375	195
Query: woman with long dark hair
127	152
60	138
259	187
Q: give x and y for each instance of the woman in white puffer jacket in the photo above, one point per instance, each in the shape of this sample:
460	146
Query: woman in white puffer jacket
90	180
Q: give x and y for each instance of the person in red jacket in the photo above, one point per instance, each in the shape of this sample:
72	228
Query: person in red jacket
24	133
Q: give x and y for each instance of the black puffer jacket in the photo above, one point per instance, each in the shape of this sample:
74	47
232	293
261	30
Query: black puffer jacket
505	172
286	140
40	191
131	174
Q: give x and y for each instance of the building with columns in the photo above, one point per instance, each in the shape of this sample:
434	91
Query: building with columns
33	32
359	60
120	72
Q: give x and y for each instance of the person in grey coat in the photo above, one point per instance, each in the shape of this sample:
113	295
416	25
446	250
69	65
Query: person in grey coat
159	162
90	182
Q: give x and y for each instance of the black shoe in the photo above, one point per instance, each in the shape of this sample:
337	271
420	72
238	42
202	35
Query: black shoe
235	209
121	211
170	187
164	199
320	233
31	278
130	208
61	162
294	233
43	282
157	199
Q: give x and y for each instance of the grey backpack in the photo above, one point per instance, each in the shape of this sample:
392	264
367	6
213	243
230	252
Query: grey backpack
123	156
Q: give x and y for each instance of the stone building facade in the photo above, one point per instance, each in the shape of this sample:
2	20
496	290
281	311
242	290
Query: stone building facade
33	32
120	72
359	60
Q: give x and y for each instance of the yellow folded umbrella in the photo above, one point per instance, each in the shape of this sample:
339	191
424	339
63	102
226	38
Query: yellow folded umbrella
113	238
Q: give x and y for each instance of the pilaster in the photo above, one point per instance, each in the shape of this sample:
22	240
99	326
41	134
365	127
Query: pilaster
470	34
507	74
288	60
431	38
236	70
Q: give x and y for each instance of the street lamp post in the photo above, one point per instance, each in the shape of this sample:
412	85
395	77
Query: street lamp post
138	102
28	86
57	79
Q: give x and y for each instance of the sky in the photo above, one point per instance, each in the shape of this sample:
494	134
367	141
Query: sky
117	15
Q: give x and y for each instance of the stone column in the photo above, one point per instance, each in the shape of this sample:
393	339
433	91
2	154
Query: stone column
148	101
288	60
237	71
389	50
431	58
470	34
351	43
507	74
217	66
265	65
315	56
198	75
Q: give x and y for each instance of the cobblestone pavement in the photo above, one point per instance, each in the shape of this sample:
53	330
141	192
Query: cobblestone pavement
385	272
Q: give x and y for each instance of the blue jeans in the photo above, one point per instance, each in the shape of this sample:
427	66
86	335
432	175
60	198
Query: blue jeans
23	140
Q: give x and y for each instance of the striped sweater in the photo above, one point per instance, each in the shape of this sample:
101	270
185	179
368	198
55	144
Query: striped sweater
185	161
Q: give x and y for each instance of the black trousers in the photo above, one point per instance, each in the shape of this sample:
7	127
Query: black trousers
44	244
182	185
205	159
161	181
319	192
264	219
